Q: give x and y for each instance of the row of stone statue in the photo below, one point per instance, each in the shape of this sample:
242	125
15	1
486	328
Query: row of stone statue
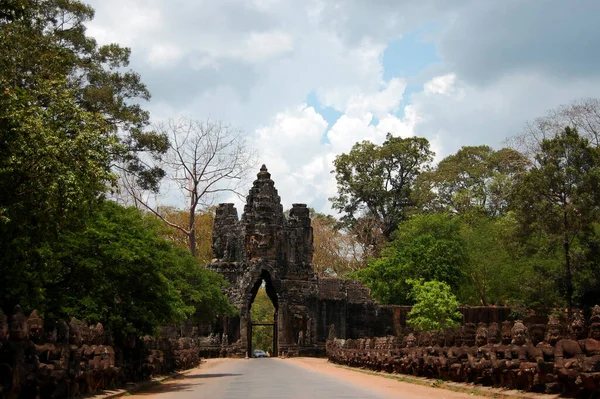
557	357
46	358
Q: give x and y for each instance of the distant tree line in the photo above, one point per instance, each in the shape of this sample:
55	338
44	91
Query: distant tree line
518	225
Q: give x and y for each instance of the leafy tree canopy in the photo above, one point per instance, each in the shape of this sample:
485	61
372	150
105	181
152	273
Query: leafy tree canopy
378	180
435	306
559	198
475	179
119	271
426	246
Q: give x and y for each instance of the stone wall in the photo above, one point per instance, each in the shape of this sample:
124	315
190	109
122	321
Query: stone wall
46	358
556	357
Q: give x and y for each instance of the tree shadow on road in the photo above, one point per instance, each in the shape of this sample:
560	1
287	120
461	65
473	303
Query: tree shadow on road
179	384
212	375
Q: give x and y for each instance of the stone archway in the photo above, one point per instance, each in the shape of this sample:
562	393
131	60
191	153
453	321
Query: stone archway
265	277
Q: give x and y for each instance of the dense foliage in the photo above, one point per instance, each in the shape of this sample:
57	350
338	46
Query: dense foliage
496	226
435	307
120	271
69	118
427	247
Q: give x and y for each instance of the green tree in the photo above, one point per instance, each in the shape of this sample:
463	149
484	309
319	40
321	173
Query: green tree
425	247
559	198
378	180
495	271
121	272
475	179
435	306
67	115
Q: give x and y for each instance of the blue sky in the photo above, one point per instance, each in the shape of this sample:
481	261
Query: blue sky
307	79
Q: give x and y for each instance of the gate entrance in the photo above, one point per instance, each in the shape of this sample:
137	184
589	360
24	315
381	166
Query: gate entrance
262	324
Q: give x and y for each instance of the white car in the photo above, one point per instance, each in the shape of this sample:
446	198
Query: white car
259	353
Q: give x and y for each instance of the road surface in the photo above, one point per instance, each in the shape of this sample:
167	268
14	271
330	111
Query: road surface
302	378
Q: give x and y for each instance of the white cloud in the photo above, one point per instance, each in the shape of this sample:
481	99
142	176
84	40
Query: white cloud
440	84
254	63
164	55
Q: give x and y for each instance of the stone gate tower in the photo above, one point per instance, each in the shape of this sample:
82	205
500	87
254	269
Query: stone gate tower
266	246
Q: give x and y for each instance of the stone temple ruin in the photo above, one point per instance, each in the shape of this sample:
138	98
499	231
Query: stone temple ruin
266	246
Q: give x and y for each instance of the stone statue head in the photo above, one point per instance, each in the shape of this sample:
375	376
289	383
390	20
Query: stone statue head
519	333
18	325
441	338
505	332
458	336
554	329
493	333
577	326
3	326
481	335
449	337
537	333
469	331
62	332
74	332
50	333
424	338
35	325
594	332
411	341
97	334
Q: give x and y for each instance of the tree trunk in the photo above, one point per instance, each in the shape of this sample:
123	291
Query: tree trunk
192	239
568	276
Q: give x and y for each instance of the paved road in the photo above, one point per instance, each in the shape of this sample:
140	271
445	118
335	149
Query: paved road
298	378
259	378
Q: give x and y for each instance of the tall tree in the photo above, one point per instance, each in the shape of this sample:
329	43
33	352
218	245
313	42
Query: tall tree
582	115
560	195
68	114
204	160
475	179
378	180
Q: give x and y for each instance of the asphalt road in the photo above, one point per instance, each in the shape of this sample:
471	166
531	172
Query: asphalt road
259	378
297	378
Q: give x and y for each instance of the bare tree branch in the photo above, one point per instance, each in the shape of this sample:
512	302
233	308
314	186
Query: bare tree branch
205	159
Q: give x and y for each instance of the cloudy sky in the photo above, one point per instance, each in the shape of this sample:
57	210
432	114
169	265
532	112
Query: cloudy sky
307	79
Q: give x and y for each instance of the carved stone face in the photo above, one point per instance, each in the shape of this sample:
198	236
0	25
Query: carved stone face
74	333
62	332
450	337
481	339
18	327
35	326
536	334
576	330
493	333
411	341
595	331
519	337
506	337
